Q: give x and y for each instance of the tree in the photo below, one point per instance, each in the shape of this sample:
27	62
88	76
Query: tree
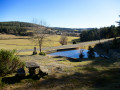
118	21
99	35
118	29
102	33
39	34
91	53
63	40
39	37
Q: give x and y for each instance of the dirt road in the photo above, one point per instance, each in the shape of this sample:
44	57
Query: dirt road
82	44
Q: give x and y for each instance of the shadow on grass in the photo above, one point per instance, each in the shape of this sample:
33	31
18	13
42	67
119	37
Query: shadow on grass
17	79
108	48
95	61
24	55
67	58
103	62
64	82
107	79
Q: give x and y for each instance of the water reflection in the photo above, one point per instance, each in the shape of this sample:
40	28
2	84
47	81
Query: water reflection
72	53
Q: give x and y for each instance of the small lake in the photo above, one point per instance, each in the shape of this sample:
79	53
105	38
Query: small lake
72	53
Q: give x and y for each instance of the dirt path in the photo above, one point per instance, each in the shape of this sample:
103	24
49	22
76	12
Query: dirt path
69	46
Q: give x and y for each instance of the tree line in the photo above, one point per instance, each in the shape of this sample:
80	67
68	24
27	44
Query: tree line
16	28
101	33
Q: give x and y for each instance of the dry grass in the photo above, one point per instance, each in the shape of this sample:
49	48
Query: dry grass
9	36
24	53
53	40
67	62
98	73
24	43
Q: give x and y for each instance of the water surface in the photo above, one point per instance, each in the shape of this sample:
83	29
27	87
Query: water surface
72	53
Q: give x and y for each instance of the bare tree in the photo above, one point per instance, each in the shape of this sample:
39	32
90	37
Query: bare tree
63	40
39	34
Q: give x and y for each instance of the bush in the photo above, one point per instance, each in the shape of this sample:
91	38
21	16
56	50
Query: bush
34	53
42	53
81	54
63	40
9	62
74	42
91	53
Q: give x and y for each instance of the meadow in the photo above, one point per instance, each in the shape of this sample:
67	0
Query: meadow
24	42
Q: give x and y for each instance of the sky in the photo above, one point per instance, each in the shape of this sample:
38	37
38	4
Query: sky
62	13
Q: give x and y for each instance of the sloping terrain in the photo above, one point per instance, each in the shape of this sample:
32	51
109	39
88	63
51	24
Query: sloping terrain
66	73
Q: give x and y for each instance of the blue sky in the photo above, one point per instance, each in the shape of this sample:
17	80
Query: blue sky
62	13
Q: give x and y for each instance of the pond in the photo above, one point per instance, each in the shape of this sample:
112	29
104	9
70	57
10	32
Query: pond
72	53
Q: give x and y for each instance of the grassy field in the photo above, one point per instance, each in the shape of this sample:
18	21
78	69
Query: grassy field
63	73
20	42
92	74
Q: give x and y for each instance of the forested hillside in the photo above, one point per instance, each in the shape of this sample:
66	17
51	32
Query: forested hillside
25	29
101	33
16	28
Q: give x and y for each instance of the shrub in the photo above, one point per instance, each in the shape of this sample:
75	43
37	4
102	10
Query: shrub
91	53
74	42
9	62
42	53
34	53
63	40
81	54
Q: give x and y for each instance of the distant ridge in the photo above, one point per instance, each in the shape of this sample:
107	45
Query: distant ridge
79	29
27	24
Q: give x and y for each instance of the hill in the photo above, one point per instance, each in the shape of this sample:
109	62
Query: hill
25	28
16	28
